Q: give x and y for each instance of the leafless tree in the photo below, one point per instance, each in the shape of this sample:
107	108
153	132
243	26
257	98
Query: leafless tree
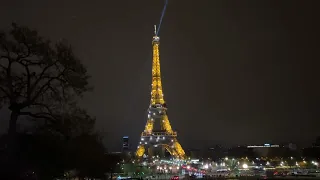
38	78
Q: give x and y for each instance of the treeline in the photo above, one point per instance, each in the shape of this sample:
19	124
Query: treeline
44	155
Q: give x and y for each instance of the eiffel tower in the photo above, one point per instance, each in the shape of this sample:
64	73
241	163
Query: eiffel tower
162	137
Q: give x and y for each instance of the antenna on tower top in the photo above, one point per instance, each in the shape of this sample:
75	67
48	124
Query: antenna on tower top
155	30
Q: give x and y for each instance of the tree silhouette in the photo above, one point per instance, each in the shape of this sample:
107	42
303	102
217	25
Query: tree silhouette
40	80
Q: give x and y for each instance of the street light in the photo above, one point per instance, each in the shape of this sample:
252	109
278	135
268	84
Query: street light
245	166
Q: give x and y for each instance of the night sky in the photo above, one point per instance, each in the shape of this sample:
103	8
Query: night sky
234	72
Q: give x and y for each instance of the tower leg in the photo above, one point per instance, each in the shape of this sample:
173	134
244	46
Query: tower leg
140	151
178	149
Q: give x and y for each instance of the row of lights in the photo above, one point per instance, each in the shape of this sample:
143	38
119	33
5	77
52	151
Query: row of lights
160	168
157	140
142	139
281	164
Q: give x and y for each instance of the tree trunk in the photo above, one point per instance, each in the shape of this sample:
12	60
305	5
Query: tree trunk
12	144
13	125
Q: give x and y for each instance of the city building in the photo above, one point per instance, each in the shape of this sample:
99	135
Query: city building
125	143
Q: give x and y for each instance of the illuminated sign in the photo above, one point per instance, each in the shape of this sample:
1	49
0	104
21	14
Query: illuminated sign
263	146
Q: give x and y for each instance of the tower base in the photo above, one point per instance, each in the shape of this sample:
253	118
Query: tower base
155	145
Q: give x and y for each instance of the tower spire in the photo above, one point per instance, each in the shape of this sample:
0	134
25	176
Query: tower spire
156	86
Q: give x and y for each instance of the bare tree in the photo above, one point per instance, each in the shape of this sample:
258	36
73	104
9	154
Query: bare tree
38	78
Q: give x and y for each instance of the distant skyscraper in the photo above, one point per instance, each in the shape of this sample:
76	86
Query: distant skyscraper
125	143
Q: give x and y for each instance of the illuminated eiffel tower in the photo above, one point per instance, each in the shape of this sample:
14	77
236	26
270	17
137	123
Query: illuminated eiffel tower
163	137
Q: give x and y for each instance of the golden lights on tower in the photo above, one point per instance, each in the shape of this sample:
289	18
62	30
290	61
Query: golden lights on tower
157	111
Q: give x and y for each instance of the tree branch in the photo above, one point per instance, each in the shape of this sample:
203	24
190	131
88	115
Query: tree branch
43	106
26	67
28	49
41	75
8	52
4	91
8	72
2	66
45	85
42	115
9	83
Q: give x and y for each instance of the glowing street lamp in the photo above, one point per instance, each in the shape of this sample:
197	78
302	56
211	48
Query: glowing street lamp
245	166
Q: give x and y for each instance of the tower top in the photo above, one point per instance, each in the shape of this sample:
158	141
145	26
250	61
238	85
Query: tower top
155	38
